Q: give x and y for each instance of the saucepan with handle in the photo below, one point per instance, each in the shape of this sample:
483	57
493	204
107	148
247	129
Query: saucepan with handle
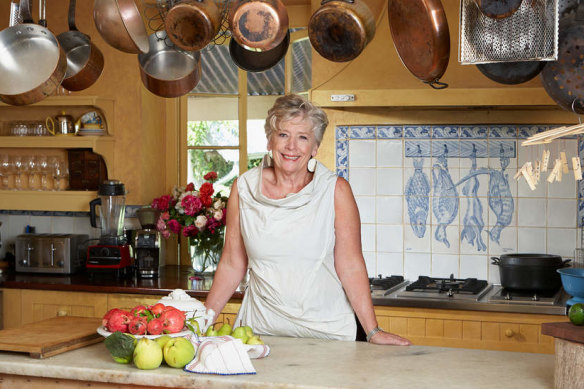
32	63
120	24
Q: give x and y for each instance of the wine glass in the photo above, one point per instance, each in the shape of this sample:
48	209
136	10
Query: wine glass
21	173
61	174
46	173
34	177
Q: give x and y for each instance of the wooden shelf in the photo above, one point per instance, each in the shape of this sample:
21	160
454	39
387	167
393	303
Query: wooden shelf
56	142
30	200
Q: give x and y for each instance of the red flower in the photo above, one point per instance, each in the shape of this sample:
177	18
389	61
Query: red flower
207	201
206	190
191	205
162	203
190	231
174	226
190	187
211	176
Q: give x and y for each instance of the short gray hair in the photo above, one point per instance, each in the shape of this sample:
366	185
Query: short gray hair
291	106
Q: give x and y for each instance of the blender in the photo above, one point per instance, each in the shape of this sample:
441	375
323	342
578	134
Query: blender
113	252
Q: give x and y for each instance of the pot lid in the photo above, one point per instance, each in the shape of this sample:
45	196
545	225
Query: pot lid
530	259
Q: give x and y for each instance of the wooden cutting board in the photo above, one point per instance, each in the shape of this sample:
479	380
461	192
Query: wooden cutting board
52	336
564	330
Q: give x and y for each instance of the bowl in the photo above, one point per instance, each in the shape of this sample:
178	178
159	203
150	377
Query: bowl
573	282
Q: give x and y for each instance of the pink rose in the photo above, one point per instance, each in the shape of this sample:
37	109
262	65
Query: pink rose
174	226
165	234
191	205
165	216
160	224
218	215
200	221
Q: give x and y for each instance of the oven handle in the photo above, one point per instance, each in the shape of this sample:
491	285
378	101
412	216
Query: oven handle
496	261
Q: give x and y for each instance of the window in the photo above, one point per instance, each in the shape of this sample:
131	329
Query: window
227	110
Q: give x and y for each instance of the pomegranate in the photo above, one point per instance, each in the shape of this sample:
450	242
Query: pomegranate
157	309
118	321
173	320
107	316
137	310
155	327
137	325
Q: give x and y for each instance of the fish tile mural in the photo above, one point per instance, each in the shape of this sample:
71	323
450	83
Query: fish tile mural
446	199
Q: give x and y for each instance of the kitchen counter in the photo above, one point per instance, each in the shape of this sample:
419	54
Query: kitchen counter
170	278
307	363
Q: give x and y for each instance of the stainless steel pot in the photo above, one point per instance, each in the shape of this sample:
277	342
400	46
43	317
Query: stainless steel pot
32	63
534	272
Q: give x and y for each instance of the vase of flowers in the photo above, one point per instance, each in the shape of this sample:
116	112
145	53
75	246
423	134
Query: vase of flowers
199	215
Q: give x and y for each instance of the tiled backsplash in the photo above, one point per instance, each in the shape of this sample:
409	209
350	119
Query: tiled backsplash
441	200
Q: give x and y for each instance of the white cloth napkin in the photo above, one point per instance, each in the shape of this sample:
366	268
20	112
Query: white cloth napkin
224	355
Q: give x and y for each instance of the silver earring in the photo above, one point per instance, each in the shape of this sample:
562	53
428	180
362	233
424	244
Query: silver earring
311	165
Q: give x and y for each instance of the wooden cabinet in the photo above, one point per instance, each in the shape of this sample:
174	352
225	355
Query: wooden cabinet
469	329
70	200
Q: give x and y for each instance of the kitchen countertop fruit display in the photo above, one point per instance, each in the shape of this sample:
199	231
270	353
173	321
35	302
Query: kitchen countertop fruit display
156	319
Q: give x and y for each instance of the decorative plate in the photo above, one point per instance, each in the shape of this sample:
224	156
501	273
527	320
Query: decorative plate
105	333
90	120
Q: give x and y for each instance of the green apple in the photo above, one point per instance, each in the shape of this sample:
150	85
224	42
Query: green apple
161	340
240	333
178	352
255	340
147	354
225	329
248	331
211	331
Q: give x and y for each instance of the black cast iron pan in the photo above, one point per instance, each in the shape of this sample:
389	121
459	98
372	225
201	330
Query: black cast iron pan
511	73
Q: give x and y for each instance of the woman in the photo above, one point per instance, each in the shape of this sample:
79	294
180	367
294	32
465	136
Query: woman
296	226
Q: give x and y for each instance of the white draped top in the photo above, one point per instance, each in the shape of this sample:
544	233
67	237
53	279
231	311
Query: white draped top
293	288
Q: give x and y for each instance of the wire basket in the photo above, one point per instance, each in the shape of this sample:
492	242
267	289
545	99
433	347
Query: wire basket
530	34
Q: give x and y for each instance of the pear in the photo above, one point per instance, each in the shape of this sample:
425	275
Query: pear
211	331
248	331
225	329
161	340
255	340
147	354
240	333
178	352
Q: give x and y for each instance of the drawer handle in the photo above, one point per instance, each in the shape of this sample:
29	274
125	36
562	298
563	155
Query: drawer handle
62	313
509	332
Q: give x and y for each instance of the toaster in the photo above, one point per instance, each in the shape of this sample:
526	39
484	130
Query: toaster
50	253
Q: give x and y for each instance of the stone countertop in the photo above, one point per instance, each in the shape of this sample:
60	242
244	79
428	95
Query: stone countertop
311	363
170	278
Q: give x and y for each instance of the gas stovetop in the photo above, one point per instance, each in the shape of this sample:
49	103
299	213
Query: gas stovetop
446	288
502	295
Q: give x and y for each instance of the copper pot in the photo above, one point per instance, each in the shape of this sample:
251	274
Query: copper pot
84	60
258	61
340	29
32	63
120	24
168	71
192	24
258	24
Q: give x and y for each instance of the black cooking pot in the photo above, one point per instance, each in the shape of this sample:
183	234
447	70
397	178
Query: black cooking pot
534	272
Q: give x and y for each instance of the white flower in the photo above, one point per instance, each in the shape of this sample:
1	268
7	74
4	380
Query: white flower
218	204
200	221
218	215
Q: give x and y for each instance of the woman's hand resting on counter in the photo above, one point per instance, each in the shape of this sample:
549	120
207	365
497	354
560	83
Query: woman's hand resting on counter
383	337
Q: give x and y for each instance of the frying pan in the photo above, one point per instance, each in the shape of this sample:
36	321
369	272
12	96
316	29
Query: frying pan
498	9
166	70
192	24
257	61
84	59
32	64
562	79
511	73
421	37
258	24
340	29
120	24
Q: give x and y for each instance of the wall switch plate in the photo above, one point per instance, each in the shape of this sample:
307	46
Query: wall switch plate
342	97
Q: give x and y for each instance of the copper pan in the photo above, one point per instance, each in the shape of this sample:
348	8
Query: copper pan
258	24
421	37
193	24
32	63
340	29
168	71
84	59
120	24
258	61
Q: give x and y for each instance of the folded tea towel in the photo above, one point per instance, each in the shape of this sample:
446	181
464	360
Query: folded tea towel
224	355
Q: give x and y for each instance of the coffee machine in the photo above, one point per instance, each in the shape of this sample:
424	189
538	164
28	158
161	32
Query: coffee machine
113	253
148	244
